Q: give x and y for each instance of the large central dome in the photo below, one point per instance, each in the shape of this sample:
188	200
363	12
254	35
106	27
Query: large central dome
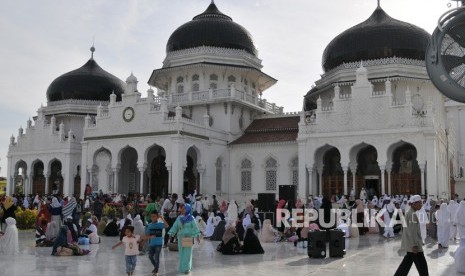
89	82
380	36
211	28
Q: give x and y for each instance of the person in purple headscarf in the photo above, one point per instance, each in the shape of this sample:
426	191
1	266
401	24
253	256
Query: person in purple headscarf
185	228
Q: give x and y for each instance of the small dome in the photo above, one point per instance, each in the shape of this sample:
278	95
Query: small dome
131	78
211	28
380	36
90	82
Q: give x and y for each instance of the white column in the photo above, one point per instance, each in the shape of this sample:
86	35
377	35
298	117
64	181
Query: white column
201	180
389	182
311	188
354	183
30	182
47	178
141	179
422	169
115	180
84	178
177	169
383	184
170	184
91	178
346	188
9	184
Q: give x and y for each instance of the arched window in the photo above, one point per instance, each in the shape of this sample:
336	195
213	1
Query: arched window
213	85
195	86
295	171
180	85
214	77
231	78
219	166
195	77
246	175
271	166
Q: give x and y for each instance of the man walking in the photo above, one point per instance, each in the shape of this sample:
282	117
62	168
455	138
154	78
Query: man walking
412	242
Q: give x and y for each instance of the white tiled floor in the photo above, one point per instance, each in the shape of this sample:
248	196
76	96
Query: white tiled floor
368	255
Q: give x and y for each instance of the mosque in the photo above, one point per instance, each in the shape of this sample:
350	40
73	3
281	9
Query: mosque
373	120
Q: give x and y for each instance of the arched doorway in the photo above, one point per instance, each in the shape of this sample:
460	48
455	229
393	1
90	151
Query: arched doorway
20	177
368	172
191	175
333	175
129	176
158	174
38	178
405	173
102	171
55	180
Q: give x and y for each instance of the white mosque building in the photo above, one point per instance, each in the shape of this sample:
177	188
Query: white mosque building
373	120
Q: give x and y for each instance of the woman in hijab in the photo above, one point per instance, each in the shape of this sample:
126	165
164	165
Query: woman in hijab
201	224
8	210
139	230
72	228
246	221
112	229
210	226
219	231
251	243
230	243
9	244
52	231
61	240
223	207
185	228
232	211
102	225
240	229
423	220
443	220
453	207
269	234
55	211
459	255
70	208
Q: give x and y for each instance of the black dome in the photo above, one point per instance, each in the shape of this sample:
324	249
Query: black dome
211	28
90	82
380	36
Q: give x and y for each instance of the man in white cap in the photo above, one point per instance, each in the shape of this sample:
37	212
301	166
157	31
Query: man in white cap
412	242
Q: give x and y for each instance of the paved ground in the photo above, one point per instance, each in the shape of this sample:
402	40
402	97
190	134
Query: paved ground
367	255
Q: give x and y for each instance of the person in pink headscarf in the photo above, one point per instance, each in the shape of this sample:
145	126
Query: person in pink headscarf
223	207
281	204
299	204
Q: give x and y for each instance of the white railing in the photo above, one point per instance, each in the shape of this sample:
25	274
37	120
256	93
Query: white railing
378	93
78	102
203	96
344	96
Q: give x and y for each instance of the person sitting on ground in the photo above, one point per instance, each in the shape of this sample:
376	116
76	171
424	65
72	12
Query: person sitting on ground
230	243
251	243
52	231
201	224
61	240
210	226
41	239
102	225
269	234
111	229
72	230
219	231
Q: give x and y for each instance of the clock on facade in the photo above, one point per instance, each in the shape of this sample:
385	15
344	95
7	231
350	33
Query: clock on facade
128	114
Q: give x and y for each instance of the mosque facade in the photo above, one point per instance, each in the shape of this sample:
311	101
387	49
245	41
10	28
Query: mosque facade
374	120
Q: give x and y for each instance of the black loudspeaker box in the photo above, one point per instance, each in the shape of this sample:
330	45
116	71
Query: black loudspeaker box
337	245
266	202
316	244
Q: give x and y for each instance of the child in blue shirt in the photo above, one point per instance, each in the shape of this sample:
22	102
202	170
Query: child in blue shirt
154	233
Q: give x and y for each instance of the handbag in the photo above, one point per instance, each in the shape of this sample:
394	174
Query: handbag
187	242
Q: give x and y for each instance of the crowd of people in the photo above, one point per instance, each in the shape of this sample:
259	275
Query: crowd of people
147	224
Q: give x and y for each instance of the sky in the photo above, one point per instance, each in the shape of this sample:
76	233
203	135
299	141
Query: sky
41	40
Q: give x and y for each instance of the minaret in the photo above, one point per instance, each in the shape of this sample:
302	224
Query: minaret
131	82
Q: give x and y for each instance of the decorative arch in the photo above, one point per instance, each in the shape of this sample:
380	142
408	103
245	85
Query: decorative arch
129	173
157	172
55	178
405	171
20	176
191	173
271	171
102	171
368	175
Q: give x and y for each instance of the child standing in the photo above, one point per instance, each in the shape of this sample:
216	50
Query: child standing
131	251
154	233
